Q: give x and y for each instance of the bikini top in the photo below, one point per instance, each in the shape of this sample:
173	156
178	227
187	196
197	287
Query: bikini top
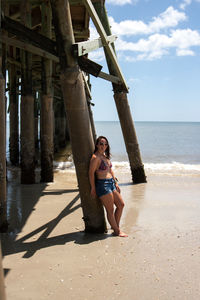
104	166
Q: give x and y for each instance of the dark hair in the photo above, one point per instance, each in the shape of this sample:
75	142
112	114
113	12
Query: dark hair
107	151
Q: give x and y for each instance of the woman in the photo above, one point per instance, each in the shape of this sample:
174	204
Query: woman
104	184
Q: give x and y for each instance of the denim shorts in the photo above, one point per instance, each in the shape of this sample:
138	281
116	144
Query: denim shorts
104	186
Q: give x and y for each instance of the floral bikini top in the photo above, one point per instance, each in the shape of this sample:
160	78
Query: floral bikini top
104	166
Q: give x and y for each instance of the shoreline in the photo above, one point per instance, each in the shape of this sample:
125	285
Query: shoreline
50	257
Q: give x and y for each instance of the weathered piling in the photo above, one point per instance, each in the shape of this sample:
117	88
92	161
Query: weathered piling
3	214
61	131
27	108
77	114
91	120
36	120
124	113
2	286
14	114
46	116
89	98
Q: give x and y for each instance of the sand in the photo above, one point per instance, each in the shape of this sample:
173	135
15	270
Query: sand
48	256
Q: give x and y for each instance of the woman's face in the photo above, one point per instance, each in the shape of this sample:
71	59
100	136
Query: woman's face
102	145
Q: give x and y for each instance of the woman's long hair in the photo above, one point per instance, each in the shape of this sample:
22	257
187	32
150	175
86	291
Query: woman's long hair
107	151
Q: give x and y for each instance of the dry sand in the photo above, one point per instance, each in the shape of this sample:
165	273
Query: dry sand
51	258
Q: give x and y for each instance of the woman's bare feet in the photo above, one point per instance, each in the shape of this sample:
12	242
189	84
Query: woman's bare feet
120	234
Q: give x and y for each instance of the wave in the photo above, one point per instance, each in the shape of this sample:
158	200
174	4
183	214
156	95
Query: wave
174	168
64	166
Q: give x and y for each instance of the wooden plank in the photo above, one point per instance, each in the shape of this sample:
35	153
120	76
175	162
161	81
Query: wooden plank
81	34
28	47
83	48
89	66
28	35
103	36
39	2
14	2
88	92
109	77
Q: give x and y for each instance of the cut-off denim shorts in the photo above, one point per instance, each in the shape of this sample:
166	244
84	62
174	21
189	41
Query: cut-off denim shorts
104	186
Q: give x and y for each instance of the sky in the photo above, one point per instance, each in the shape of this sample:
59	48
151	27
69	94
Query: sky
158	50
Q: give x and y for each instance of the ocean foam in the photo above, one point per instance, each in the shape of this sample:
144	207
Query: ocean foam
64	166
174	168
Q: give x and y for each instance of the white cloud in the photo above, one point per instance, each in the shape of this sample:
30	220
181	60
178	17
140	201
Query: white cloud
169	18
121	2
185	3
97	55
93	32
185	38
184	52
158	45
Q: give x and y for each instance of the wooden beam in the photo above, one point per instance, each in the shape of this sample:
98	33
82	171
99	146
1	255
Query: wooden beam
39	2
89	66
30	48
26	34
83	48
81	34
87	89
111	78
45	54
103	36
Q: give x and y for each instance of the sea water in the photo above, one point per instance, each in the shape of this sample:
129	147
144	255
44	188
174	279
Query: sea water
165	147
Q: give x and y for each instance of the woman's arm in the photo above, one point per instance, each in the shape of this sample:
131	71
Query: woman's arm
115	179
92	169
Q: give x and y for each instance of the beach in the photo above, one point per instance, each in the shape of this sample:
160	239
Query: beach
48	256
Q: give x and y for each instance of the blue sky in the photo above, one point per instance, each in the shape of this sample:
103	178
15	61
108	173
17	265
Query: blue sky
158	49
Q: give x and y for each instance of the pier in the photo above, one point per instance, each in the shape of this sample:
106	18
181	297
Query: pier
44	51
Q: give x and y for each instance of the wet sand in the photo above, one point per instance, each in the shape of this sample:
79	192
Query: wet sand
47	256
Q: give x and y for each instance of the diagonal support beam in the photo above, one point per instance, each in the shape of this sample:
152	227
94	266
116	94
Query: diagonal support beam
95	18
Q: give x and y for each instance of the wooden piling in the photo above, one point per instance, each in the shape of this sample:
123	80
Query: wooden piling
14	115
36	121
91	120
3	214
46	117
124	113
77	114
89	98
130	137
27	109
60	138
2	285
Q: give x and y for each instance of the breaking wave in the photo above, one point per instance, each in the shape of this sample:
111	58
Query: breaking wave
174	168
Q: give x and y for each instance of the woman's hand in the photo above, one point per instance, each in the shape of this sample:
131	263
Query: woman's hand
117	188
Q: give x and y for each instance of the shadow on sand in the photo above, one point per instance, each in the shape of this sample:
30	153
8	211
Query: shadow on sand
21	203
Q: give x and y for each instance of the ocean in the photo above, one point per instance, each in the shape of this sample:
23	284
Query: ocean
166	147
171	148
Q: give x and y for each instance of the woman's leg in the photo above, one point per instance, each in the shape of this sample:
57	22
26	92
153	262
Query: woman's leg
108	202
119	203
